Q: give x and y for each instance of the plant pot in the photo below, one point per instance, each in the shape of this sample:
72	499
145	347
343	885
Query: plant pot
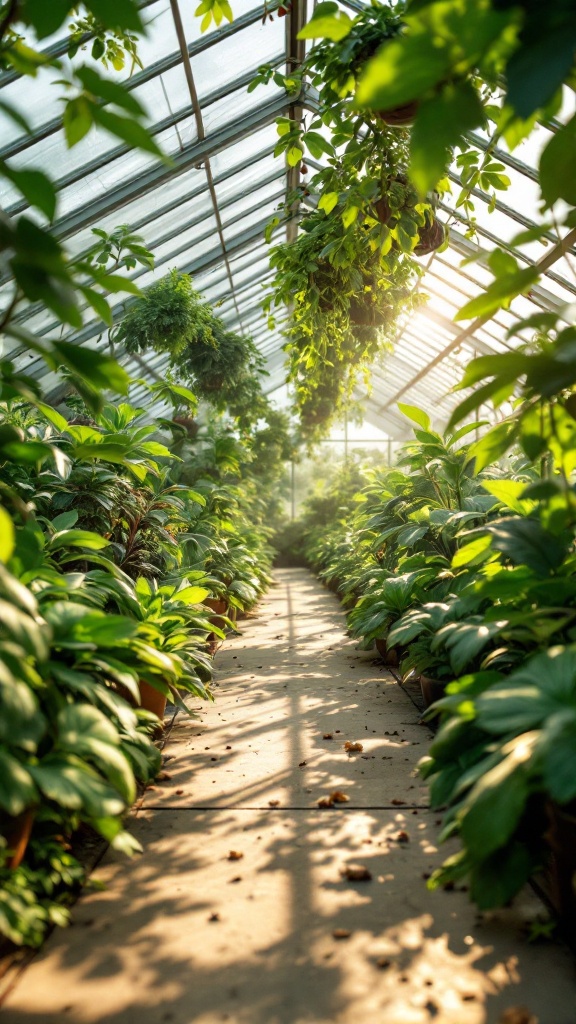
389	656
190	425
561	837
216	604
16	832
432	690
431	237
152	700
382	210
398	117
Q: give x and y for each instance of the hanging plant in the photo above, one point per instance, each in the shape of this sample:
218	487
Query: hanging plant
216	361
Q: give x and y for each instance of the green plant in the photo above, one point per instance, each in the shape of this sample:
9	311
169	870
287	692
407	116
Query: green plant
506	749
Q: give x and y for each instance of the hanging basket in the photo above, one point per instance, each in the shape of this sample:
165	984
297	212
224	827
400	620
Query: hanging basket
190	425
431	237
399	117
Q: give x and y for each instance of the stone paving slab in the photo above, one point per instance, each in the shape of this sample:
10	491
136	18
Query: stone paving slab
186	935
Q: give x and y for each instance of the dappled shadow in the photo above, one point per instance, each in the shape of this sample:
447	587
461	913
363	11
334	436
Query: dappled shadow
186	935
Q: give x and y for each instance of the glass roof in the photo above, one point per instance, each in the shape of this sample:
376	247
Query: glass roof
217	233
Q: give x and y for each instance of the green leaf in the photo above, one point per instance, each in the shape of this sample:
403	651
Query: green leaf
526	542
77	120
493	808
499	294
98	303
116	283
100	371
509	492
78	539
46	18
472	553
17	790
328	201
35	186
109	91
402	70
558	166
417	415
127	129
294	155
53	417
121	14
327	22
7	536
442	121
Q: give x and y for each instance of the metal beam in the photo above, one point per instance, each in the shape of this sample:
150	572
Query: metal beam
156	176
542	265
109	156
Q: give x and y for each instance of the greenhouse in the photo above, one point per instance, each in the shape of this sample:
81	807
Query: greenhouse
287	512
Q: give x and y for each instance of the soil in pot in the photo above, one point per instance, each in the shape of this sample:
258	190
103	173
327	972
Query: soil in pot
16	831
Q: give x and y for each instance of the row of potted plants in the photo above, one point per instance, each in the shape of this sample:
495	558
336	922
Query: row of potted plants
463	569
109	557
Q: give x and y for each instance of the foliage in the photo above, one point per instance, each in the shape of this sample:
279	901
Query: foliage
222	366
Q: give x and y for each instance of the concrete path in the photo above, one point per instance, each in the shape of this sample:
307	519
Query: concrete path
239	910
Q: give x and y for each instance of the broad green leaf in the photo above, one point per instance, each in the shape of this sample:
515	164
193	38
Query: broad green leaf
417	415
35	186
499	294
328	201
46	18
509	492
121	14
109	91
127	129
101	371
558	166
294	155
116	283
329	21
53	417
442	121
492	810
78	539
526	542
472	553
77	120
17	789
7	535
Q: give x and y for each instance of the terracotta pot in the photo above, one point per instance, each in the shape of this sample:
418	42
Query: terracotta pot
216	604
382	210
432	690
389	657
431	238
398	117
190	425
152	700
16	832
562	869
